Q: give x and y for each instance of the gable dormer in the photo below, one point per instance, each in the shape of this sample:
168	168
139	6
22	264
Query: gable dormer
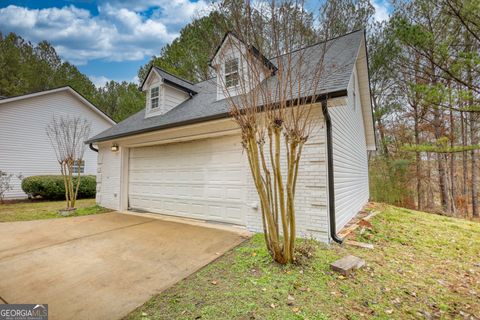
164	91
238	67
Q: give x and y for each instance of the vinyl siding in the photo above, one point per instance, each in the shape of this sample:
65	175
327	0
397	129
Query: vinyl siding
108	177
349	156
25	147
172	97
169	97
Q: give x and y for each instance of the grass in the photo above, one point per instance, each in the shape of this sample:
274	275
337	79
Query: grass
423	266
36	210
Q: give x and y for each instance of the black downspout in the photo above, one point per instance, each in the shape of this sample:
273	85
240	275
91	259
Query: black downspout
90	145
331	185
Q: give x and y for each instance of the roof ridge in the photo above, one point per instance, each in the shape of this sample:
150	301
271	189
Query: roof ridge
317	43
38	91
299	49
179	78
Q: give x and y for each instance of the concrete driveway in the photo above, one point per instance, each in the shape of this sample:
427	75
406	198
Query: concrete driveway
101	266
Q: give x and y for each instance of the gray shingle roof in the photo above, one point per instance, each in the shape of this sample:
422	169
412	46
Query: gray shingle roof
176	81
339	61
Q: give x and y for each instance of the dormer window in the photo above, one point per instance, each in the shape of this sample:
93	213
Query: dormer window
231	73
154	95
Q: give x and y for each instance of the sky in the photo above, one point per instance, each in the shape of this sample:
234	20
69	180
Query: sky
110	39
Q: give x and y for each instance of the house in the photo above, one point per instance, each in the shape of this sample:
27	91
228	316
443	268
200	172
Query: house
182	155
24	145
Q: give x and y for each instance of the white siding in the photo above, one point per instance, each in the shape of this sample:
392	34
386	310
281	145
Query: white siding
24	145
349	156
108	177
169	96
172	97
233	49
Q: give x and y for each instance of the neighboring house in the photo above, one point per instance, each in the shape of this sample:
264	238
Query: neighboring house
182	154
24	145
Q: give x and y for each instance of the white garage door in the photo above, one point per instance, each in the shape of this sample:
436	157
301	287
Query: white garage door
202	179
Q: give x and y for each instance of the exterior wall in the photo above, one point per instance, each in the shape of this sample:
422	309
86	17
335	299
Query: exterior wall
233	48
108	177
169	96
172	97
311	191
349	156
311	197
24	146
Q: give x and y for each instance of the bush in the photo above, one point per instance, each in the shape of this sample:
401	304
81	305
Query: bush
53	187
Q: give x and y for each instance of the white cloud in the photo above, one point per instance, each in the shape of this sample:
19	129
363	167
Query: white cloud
382	8
122	31
99	81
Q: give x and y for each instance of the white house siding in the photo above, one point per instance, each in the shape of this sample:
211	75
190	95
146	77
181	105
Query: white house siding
350	157
172	97
169	96
108	177
24	146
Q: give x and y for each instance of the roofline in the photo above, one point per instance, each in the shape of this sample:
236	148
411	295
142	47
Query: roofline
168	81
60	89
331	95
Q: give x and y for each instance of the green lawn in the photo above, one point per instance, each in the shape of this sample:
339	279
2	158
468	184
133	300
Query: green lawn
36	210
423	266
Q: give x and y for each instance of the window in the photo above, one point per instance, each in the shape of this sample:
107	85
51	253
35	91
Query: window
79	165
154	93
231	73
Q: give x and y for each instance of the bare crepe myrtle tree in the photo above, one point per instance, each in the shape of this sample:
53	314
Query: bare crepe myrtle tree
271	101
67	136
5	184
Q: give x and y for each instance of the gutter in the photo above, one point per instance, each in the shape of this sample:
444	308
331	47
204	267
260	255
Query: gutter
90	145
330	181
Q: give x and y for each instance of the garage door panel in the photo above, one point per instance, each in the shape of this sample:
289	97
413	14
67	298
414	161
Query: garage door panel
203	179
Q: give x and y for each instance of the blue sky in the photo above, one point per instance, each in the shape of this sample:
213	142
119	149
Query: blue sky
109	39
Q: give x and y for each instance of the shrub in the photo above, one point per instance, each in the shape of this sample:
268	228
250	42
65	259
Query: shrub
53	188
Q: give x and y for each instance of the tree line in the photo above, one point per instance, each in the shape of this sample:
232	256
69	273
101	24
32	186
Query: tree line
425	73
27	68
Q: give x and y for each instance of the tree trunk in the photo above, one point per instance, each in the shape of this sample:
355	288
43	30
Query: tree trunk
418	165
452	164
442	174
474	174
464	157
381	130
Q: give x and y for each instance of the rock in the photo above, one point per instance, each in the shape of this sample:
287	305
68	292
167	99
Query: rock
347	264
360	244
290	300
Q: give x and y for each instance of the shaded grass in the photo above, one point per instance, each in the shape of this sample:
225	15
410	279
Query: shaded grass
37	210
423	266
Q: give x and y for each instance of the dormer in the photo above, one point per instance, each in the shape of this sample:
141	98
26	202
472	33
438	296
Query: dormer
238	67
164	91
